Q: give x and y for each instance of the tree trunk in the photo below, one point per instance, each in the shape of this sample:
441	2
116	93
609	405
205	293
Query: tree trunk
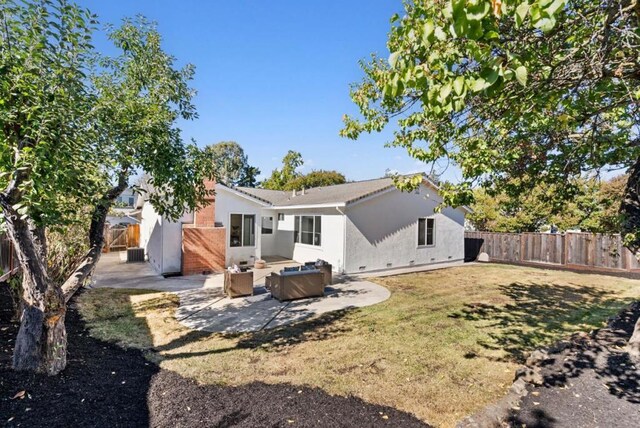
630	210
96	239
630	230
41	345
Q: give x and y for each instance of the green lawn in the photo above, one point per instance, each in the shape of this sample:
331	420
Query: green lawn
443	346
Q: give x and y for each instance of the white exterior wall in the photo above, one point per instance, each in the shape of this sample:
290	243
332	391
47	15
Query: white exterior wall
268	242
227	203
162	239
382	232
332	238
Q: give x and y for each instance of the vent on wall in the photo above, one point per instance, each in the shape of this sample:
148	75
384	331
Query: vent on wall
389	265
412	262
433	258
450	257
362	268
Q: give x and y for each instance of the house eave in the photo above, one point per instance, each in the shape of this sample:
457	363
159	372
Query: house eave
308	206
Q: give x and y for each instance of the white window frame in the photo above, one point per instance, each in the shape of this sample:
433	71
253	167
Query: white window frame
255	237
426	228
297	238
273	225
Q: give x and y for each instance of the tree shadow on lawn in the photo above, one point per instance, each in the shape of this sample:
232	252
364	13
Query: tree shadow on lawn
595	366
323	327
538	315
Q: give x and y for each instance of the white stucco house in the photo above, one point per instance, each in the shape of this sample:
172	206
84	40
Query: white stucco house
357	227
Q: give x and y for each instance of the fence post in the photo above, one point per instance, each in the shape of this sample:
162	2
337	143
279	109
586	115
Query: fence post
563	260
520	236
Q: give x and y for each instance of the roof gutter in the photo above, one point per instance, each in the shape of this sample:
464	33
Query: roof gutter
308	206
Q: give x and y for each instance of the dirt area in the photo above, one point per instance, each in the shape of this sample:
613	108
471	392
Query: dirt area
588	381
106	385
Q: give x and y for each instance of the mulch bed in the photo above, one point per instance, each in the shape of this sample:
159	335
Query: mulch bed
588	381
105	385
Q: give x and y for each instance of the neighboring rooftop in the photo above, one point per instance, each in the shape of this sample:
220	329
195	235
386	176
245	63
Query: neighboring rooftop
339	194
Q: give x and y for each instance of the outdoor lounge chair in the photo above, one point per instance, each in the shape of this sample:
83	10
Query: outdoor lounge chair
296	285
238	284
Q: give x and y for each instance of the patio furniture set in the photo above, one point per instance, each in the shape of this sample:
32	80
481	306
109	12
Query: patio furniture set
290	283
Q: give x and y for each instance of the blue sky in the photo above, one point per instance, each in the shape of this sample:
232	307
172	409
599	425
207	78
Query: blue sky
274	75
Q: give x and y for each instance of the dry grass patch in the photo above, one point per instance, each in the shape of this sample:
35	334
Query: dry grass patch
443	346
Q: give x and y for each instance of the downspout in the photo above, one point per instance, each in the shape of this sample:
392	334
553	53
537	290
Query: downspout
344	240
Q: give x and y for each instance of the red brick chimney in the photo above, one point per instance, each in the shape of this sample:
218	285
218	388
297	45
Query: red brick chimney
206	215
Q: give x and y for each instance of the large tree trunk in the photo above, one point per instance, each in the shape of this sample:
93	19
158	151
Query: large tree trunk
630	211
41	345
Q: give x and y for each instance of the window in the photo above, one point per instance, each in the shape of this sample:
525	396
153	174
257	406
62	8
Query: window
426	231
267	225
307	230
131	201
280	216
243	232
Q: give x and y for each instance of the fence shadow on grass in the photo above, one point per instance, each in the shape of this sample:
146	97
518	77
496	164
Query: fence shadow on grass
538	315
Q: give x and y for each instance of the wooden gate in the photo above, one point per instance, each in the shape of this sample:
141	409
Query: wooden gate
116	238
133	235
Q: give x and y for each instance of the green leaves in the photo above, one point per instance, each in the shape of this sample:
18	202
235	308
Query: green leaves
521	75
487	78
521	12
393	59
478	11
505	97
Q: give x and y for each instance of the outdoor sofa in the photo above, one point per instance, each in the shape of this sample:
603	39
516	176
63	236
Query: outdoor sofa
291	285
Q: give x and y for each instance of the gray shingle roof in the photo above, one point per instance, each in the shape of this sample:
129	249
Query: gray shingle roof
337	194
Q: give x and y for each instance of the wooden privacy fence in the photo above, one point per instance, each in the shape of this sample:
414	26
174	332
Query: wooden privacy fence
592	251
8	262
121	237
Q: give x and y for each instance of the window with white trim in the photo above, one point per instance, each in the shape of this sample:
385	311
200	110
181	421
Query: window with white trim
308	230
243	230
426	232
267	225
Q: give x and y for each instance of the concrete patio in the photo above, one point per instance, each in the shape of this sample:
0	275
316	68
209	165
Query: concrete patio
114	272
210	310
203	305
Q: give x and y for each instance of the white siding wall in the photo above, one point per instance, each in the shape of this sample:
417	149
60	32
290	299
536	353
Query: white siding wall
332	238
151	236
162	239
383	232
172	244
227	203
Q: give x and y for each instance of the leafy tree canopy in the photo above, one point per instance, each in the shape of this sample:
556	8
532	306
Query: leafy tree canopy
317	178
287	173
514	92
288	178
75	125
594	208
232	164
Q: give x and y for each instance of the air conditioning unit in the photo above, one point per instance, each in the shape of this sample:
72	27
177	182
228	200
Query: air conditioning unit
135	255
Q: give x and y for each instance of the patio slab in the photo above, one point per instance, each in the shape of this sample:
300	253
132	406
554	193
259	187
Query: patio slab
207	311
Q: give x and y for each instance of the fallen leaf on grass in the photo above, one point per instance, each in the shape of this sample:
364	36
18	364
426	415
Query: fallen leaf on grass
19	395
385	417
